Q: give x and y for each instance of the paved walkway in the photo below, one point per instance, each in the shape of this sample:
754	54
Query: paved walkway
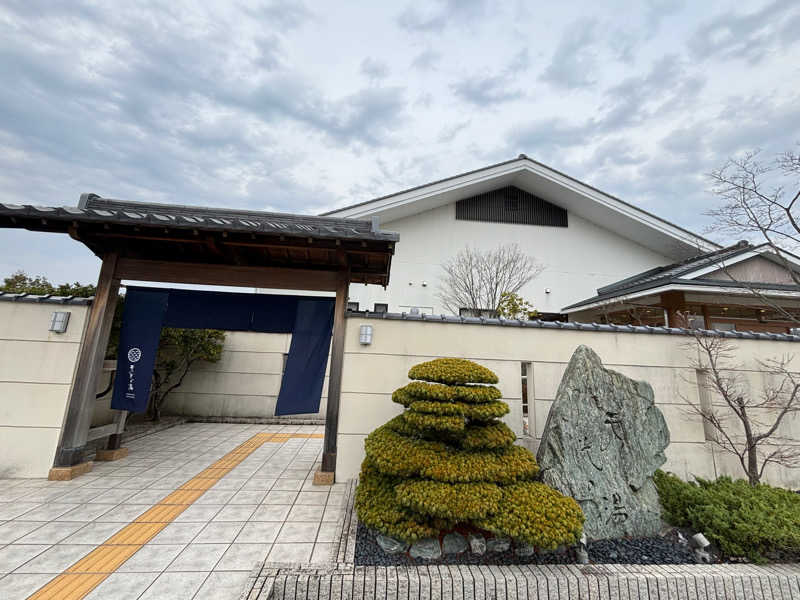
187	514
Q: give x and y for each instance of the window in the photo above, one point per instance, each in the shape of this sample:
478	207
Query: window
696	321
352	306
525	368
380	308
723	326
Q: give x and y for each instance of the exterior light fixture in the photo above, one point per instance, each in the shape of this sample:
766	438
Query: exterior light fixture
365	335
59	321
546	290
424	284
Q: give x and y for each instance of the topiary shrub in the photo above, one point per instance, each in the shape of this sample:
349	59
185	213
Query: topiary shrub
447	461
760	522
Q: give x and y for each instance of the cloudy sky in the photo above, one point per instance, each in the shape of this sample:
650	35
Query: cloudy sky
296	107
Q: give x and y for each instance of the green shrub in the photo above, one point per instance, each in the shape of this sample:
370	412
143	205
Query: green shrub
760	522
447	461
455	501
437	422
452	371
536	514
452	393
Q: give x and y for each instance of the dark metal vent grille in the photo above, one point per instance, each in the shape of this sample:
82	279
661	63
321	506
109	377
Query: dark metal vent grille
510	205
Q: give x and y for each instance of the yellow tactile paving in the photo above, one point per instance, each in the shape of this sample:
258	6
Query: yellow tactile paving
136	533
70	586
162	513
182	497
90	571
104	559
197	483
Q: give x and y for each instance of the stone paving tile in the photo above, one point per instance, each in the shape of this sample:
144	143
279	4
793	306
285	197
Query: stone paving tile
291	552
10	531
175	586
298	532
152	558
198	557
222	584
122	586
243	557
256	532
271	512
51	533
86	512
55	559
22	585
16	555
235	512
220	532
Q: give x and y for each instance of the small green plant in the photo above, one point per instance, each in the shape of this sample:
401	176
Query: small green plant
759	522
447	461
514	306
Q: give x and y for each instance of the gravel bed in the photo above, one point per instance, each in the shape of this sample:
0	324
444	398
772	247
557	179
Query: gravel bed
657	550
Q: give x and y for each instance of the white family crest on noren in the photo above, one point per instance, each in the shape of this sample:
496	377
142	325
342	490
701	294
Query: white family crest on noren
134	355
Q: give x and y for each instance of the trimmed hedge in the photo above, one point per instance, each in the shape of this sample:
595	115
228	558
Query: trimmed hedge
760	522
452	371
446	461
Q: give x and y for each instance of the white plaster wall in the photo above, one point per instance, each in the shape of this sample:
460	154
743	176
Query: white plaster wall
578	259
371	373
244	383
36	372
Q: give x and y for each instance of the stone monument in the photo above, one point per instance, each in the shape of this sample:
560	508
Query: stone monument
603	440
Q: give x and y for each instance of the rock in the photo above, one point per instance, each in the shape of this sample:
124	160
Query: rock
700	541
477	544
428	549
582	556
454	543
524	550
603	440
682	539
390	545
702	557
498	544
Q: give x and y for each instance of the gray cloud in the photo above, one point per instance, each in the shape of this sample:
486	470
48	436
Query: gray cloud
573	64
427	59
748	36
487	89
374	69
445	12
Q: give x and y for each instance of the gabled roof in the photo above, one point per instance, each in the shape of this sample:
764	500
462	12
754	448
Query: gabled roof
555	187
689	273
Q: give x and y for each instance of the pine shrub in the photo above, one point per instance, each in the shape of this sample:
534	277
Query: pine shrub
447	461
758	522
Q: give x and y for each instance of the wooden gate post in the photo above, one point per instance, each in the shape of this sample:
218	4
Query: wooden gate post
69	460
326	475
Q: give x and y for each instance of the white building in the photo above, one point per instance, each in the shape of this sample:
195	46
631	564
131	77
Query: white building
583	237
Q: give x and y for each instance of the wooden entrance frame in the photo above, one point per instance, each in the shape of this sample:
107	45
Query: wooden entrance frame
206	246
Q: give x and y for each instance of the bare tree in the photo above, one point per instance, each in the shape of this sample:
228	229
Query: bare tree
744	423
761	202
475	279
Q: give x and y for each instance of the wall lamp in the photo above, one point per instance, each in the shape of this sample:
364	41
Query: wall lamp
59	321
365	335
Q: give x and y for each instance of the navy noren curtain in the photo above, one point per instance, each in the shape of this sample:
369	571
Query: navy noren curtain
147	310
